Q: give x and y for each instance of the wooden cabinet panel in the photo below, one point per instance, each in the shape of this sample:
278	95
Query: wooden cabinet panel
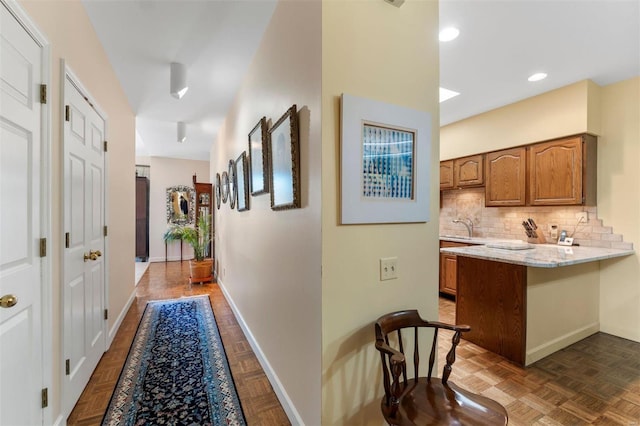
446	174
506	178
492	299
448	267
468	171
558	172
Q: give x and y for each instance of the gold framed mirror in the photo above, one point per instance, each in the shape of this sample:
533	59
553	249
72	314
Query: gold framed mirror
181	205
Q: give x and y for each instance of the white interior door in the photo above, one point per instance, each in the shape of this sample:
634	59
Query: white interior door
21	376
83	298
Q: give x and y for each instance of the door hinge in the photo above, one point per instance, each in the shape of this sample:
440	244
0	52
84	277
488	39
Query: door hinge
43	93
106	314
106	232
67	367
67	238
105	146
45	398
43	247
67	113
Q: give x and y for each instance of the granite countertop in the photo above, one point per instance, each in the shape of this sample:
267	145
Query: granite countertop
539	255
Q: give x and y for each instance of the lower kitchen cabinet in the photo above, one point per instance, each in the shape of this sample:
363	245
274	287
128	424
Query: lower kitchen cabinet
448	265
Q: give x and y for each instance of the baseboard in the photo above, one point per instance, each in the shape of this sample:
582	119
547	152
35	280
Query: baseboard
121	315
541	351
60	421
283	397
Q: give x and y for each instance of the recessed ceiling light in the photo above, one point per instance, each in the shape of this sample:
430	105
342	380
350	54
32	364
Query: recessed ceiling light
449	33
538	76
447	94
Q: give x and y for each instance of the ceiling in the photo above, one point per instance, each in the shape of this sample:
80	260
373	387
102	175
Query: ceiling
501	43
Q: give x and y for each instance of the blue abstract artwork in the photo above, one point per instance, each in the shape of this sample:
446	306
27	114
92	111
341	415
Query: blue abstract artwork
387	162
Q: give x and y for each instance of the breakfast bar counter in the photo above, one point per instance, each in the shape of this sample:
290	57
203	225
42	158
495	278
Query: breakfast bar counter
526	303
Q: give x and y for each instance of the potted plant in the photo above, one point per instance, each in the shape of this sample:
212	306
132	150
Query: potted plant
199	239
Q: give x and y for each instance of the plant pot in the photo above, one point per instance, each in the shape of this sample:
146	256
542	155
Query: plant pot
201	270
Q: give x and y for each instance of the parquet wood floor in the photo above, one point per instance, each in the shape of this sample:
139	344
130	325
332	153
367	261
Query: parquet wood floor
168	281
593	382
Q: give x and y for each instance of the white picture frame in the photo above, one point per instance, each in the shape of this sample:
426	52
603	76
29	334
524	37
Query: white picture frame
394	186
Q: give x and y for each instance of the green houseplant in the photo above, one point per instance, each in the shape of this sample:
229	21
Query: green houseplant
199	238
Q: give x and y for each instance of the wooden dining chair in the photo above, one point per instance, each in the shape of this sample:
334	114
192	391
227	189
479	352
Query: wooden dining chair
426	400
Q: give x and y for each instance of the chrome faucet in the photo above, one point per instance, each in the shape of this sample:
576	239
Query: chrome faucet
468	223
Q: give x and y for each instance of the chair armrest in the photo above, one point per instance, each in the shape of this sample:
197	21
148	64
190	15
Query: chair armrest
460	327
395	357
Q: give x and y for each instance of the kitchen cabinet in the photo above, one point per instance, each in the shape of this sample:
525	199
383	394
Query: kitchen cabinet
468	171
563	172
446	174
448	265
506	175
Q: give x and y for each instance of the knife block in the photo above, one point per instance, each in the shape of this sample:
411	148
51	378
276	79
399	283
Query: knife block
540	239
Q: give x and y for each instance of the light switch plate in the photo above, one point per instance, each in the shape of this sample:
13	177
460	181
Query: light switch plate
388	268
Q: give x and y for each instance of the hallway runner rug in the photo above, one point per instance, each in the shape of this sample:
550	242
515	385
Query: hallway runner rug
176	372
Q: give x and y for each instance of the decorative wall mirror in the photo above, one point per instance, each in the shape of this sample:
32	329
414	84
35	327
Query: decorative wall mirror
181	205
232	184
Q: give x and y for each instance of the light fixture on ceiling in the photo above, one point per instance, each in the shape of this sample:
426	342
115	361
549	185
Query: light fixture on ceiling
537	76
178	80
447	94
182	131
449	33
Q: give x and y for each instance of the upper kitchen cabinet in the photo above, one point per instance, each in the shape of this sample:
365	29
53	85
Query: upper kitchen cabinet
563	172
506	178
468	171
446	174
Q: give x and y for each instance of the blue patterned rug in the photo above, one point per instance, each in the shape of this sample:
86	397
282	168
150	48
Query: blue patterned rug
176	372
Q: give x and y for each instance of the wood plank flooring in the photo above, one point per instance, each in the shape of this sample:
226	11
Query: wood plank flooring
168	281
593	382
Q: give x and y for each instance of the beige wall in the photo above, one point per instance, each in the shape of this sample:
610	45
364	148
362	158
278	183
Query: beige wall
553	114
619	205
269	261
166	172
613	113
71	35
377	51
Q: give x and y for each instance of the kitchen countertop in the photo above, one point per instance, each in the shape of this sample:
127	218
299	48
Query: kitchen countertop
539	256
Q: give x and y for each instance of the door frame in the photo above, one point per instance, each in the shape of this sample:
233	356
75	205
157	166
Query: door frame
46	179
67	73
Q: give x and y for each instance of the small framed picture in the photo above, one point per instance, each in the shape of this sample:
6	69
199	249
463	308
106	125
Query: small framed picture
259	158
242	182
224	190
232	184
284	162
218	191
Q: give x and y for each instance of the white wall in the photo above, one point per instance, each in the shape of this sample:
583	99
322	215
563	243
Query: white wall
164	173
269	261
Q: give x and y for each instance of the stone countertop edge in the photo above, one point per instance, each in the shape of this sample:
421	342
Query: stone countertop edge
541	256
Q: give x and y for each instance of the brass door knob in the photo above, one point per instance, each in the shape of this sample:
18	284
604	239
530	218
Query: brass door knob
98	253
8	301
90	256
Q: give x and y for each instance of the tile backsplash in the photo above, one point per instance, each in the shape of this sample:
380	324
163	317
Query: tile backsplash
506	222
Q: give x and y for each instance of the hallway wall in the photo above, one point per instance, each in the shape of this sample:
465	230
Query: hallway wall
71	35
269	262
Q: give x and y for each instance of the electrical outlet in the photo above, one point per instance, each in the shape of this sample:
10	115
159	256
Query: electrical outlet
553	232
388	268
583	217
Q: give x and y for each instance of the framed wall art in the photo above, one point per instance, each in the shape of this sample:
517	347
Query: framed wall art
224	182
259	158
385	155
284	162
233	193
218	190
242	182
